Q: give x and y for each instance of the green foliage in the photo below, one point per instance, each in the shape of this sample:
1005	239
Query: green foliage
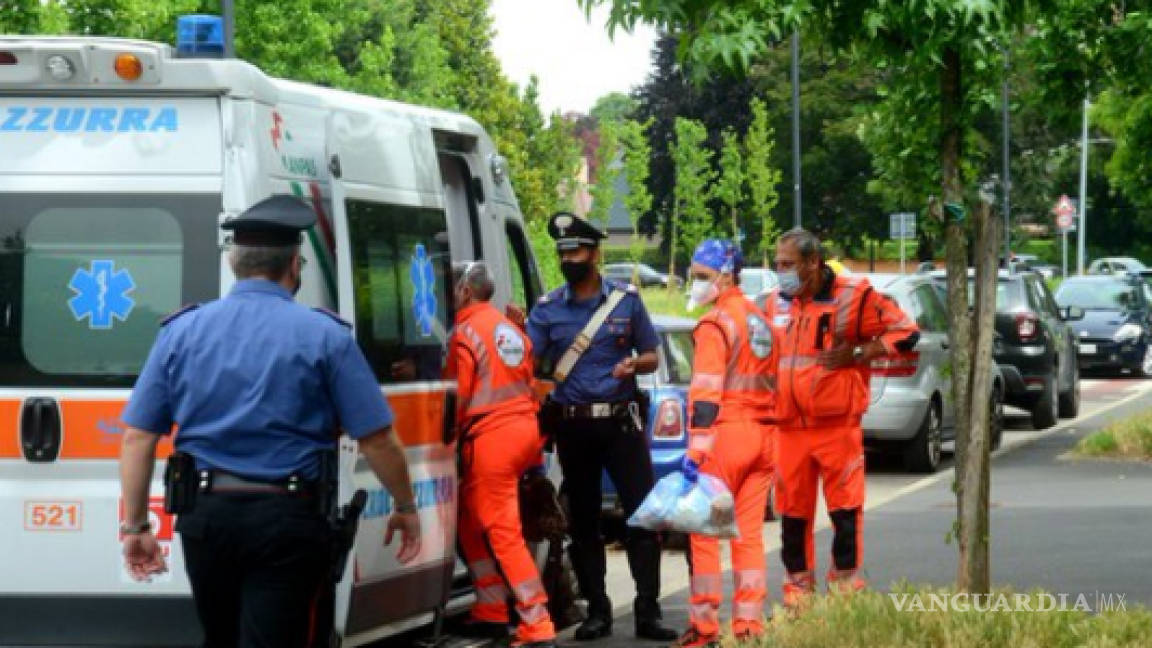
763	177
694	175
638	200
1127	439
613	107
729	187
608	167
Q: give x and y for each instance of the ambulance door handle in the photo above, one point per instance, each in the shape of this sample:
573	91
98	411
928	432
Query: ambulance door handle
40	430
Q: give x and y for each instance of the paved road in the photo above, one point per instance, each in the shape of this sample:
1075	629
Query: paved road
1048	527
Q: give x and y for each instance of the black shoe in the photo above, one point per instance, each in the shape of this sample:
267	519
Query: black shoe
653	630
595	627
473	629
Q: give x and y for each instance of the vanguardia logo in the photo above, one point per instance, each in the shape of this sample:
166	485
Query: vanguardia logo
1096	602
101	294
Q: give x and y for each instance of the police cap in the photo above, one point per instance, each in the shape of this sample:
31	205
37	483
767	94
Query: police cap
273	221
571	231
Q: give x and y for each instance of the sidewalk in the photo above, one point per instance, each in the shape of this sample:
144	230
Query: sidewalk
1069	526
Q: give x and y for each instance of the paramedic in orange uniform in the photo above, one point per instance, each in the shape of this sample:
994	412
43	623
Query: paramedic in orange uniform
831	327
491	360
731	398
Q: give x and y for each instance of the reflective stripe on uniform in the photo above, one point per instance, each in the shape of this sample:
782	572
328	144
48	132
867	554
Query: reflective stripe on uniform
843	308
750	579
702	442
482	569
495	594
711	382
749	382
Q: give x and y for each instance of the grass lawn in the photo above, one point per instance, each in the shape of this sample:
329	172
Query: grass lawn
941	620
661	301
1127	439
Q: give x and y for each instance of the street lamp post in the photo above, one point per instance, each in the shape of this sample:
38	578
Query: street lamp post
226	8
1082	225
1007	171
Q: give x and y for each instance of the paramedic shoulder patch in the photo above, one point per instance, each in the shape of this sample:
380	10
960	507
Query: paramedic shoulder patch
509	345
759	336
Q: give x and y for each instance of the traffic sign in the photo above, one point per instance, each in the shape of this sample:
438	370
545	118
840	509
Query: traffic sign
1065	211
902	226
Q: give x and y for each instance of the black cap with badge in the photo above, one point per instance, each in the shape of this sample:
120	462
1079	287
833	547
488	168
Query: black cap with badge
571	231
273	221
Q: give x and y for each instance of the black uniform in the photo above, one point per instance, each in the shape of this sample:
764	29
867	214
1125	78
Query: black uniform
597	420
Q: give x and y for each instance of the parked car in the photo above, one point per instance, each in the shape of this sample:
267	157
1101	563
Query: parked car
912	410
1115	330
1115	265
667	389
1034	346
647	275
756	283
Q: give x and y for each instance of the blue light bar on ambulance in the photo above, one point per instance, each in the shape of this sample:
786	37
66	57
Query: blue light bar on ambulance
200	36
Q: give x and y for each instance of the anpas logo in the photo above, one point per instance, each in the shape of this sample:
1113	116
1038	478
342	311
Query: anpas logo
295	165
50	119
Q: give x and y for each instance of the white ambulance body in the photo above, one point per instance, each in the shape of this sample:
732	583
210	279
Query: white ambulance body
111	194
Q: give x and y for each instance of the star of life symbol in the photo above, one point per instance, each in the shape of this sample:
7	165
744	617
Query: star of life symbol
509	345
423	278
101	294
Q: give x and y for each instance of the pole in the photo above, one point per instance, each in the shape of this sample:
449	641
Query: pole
1064	253
796	129
1082	226
1007	172
902	269
229	29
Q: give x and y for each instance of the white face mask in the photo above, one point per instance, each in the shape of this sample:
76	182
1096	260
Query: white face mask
702	292
789	282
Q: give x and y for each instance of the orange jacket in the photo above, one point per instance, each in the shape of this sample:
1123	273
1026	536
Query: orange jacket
846	312
733	368
491	360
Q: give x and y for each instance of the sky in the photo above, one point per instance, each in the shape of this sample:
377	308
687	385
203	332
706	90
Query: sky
574	60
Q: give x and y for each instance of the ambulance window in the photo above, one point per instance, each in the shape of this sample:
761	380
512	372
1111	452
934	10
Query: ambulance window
401	266
525	281
85	281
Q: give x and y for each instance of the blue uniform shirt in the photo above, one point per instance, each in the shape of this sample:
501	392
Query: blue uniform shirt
556	320
257	384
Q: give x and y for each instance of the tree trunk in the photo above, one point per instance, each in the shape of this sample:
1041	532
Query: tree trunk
735	227
956	254
974	527
672	245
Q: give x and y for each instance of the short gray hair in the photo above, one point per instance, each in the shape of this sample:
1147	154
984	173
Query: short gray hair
807	243
476	277
269	261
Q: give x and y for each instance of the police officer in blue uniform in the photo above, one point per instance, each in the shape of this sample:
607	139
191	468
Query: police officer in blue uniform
598	420
259	388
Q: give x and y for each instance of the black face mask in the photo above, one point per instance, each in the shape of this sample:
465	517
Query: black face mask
575	271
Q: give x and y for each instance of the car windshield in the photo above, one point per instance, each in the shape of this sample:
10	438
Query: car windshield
1008	294
679	347
1097	295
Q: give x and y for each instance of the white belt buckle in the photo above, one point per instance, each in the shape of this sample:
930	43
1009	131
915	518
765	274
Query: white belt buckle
601	410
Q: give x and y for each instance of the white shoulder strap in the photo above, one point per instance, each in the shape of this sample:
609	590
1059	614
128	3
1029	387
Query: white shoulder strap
582	340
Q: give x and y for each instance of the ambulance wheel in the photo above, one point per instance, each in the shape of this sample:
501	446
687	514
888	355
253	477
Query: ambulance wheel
922	452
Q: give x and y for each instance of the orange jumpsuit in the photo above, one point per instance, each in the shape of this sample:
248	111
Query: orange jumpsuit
491	360
731	398
819	414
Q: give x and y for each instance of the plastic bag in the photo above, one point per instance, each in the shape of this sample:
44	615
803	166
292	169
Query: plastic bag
676	504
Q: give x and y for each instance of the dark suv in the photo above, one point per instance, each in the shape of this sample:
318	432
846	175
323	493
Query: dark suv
1034	346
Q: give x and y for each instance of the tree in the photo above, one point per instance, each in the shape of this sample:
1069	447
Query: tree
607	172
634	144
729	187
759	142
691	219
613	107
939	53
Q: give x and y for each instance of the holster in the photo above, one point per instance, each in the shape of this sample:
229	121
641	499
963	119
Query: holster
180	483
344	524
549	419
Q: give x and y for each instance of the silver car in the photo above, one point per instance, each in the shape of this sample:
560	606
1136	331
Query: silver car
912	410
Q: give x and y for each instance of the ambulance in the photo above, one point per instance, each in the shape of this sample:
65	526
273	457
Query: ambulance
119	159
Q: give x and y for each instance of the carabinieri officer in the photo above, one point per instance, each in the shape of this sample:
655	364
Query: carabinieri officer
259	388
597	418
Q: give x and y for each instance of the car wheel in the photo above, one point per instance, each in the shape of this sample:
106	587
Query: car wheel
1070	400
922	452
1045	412
995	418
1144	369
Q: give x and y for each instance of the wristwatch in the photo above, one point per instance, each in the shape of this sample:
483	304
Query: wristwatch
857	352
135	529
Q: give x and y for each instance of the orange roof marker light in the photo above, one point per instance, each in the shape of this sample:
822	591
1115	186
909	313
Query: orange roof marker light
129	67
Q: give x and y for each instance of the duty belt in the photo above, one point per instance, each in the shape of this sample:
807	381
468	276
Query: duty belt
218	481
595	410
